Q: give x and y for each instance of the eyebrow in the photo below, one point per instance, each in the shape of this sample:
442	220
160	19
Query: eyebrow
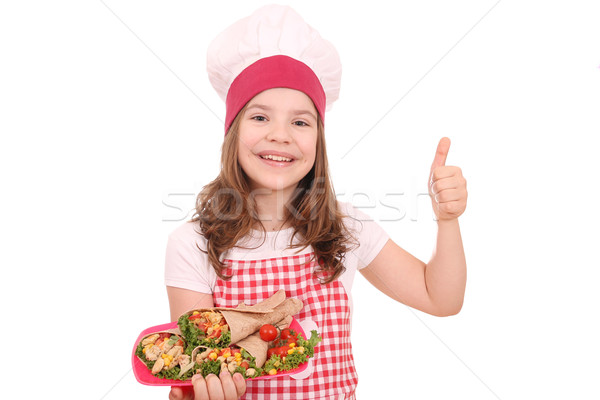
295	112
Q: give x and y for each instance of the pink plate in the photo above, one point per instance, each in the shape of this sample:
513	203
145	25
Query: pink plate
144	376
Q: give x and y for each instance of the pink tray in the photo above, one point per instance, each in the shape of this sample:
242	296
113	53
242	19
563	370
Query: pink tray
144	376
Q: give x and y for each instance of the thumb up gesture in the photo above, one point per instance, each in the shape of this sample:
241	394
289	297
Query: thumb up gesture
447	186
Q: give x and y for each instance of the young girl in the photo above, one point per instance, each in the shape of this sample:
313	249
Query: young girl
271	220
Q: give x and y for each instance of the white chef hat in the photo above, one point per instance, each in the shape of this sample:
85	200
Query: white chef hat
273	47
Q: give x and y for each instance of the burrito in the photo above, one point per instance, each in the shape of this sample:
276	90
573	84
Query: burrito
258	347
220	327
163	353
233	359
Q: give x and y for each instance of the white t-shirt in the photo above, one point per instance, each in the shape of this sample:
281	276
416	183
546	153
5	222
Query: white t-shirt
187	267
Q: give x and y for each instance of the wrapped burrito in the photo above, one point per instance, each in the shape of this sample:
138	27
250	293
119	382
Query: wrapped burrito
246	357
219	327
233	359
258	347
163	353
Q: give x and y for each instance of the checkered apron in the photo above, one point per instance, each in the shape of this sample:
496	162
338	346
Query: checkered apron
334	376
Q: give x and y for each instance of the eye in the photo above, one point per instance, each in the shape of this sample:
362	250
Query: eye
300	123
259	118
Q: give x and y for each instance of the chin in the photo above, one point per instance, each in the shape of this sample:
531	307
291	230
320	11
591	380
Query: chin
274	185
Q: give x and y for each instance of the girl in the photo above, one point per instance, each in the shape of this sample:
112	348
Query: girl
271	221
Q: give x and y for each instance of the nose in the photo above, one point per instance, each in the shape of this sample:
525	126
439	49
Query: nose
279	131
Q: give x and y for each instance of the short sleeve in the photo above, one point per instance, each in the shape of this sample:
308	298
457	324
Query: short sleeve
370	235
186	266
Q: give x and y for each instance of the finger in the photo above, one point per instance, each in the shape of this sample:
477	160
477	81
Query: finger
181	393
445	171
176	394
188	393
215	390
448	196
229	390
441	153
240	384
444	184
200	389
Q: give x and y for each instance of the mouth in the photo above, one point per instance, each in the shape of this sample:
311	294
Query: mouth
276	158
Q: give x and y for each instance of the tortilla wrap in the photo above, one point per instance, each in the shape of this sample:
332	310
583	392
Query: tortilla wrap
245	320
243	324
257	347
266	305
174	331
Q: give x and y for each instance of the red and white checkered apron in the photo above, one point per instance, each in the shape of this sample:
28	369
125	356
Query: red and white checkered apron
334	375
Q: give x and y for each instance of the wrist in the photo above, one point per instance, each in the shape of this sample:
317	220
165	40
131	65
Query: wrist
447	222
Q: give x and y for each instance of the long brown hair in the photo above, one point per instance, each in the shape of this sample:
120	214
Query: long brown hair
226	212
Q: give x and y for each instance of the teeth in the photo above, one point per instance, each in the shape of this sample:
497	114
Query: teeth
276	158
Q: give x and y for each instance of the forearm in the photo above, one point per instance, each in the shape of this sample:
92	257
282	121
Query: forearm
446	272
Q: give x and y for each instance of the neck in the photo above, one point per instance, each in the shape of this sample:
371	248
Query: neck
270	205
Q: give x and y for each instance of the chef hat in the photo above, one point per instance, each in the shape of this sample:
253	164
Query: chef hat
271	48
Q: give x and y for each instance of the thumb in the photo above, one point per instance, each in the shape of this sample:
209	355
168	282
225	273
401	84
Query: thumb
441	153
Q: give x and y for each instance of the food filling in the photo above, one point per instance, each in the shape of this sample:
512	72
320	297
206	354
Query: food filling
162	352
205	328
232	359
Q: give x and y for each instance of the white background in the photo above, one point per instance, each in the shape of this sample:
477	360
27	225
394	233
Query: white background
110	127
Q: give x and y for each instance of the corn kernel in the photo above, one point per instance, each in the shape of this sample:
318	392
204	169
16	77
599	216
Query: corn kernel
291	351
273	371
195	313
300	349
213	356
167	362
291	345
227	354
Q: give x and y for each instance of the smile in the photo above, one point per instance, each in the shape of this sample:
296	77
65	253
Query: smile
276	158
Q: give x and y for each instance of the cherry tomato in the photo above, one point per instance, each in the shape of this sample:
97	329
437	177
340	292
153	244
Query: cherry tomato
292	340
282	351
272	351
244	364
268	332
287	333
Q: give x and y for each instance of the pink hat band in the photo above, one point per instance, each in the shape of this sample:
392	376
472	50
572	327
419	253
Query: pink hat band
272	72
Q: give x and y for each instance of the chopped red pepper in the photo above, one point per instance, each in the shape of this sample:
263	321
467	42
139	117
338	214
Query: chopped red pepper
216	333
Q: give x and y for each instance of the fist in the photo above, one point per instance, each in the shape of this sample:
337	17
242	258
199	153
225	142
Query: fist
447	186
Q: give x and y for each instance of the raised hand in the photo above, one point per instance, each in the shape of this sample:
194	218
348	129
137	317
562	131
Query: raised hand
447	186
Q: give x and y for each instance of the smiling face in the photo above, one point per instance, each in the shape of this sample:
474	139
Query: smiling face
277	139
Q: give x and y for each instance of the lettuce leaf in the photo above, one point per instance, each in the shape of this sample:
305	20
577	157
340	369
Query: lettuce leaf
192	334
309	345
